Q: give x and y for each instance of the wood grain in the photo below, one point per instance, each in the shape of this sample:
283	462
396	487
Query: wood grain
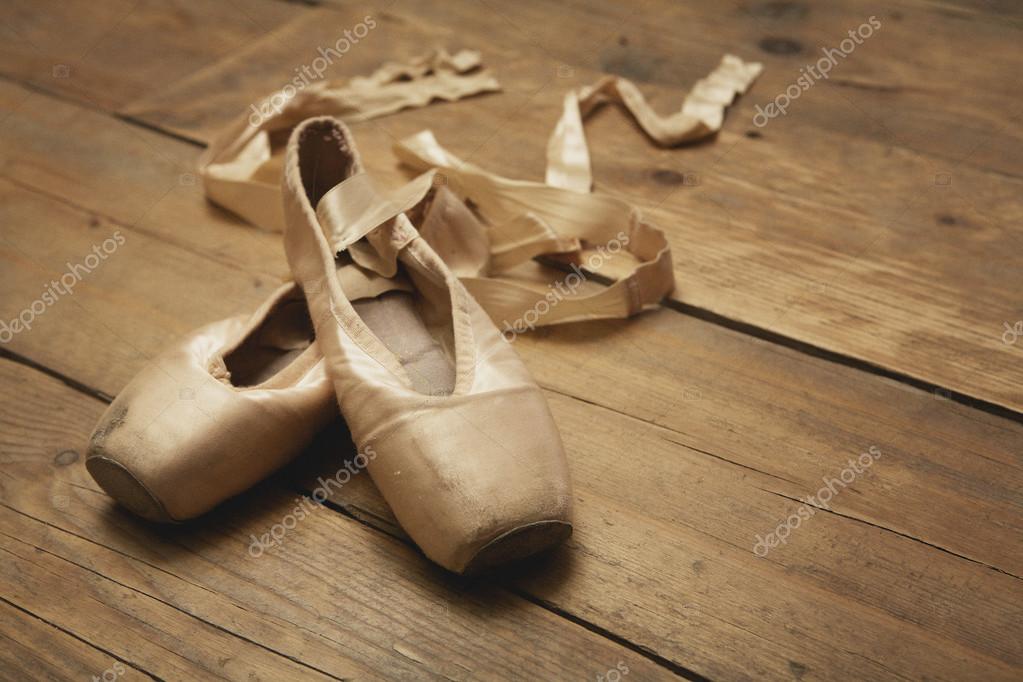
866	222
338	600
107	54
886	89
63	657
611	563
150	635
720	391
816	249
728	431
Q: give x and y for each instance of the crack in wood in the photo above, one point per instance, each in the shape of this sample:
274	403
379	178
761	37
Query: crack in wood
134	666
153	596
894	532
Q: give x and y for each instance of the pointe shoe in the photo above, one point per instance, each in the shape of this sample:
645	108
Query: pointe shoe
215	413
460	440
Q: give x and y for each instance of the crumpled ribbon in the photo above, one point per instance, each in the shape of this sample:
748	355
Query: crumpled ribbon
511	221
240	170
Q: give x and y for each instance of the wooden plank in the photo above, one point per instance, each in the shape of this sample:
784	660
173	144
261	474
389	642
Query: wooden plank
107	54
341	601
905	72
815	249
779	419
748	247
150	635
886	90
893	87
34	649
880	286
752	653
668	529
789	291
709	576
815	419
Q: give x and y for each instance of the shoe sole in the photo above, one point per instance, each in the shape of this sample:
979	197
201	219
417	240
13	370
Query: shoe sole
518	543
130	492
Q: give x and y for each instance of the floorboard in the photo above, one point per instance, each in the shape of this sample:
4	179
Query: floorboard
844	274
753	431
337	601
867	221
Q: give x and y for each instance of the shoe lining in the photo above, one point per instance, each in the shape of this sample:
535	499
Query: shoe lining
398	322
325	161
281	337
416	326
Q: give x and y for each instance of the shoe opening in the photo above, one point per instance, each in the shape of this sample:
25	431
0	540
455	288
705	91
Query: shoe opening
326	158
283	335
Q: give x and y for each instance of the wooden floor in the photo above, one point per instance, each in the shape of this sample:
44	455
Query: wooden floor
849	281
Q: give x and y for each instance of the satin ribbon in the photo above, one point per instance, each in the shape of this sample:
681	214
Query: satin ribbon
519	220
702	113
512	221
240	170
